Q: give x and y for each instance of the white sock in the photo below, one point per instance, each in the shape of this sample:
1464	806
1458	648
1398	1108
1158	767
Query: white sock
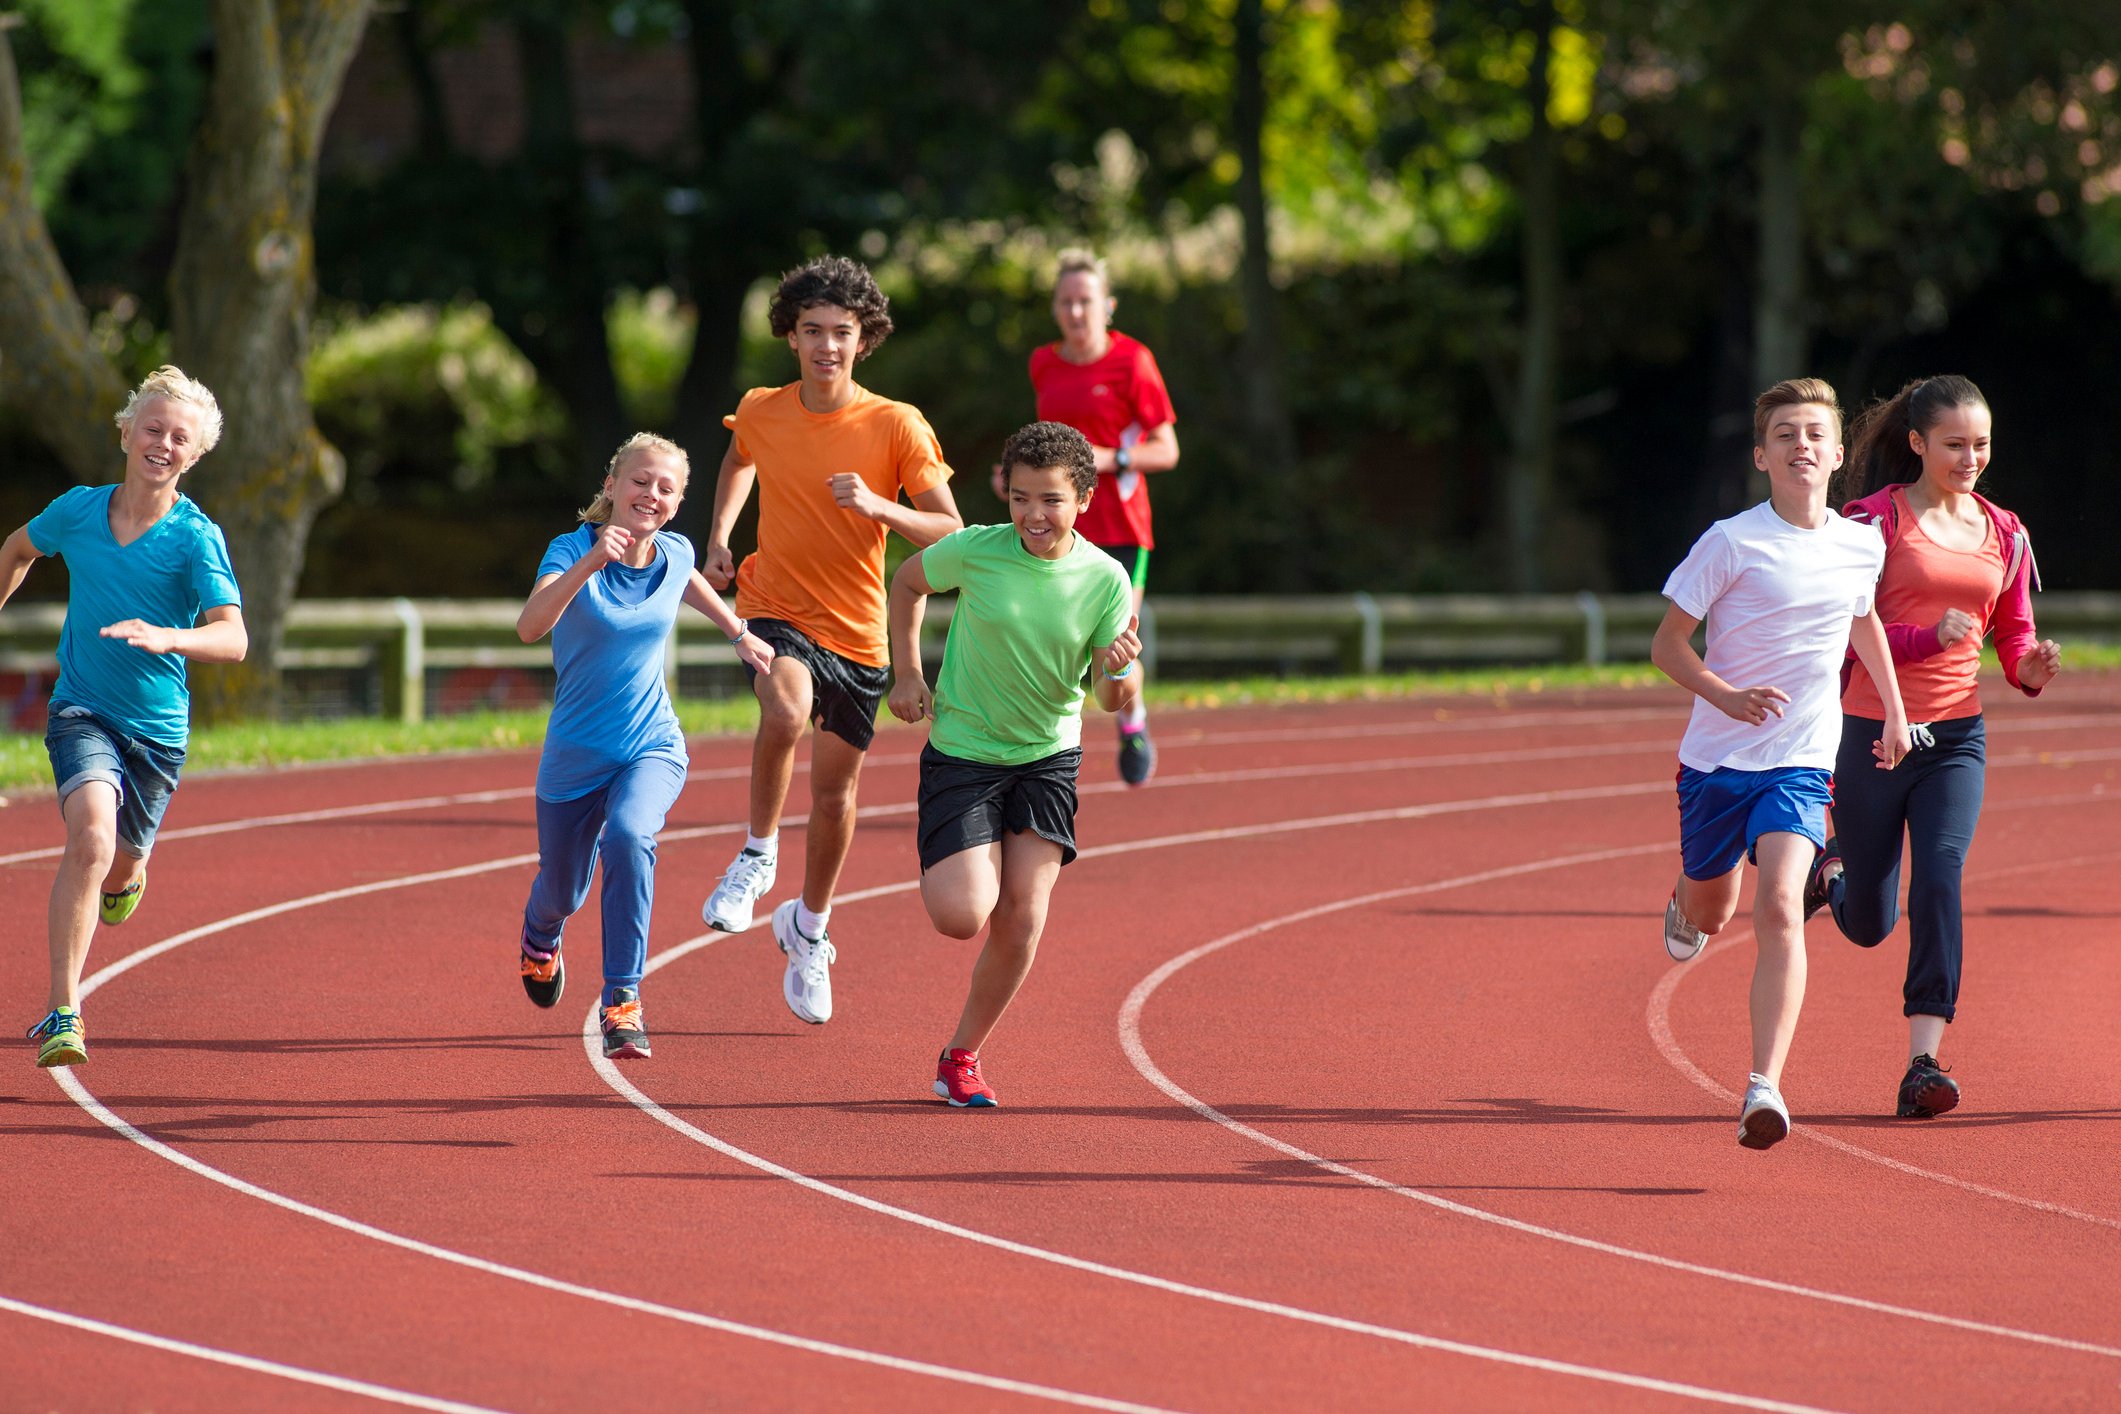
769	845
812	924
1134	718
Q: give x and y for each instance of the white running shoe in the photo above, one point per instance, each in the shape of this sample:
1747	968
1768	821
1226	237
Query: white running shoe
1681	938
728	908
807	984
1765	1120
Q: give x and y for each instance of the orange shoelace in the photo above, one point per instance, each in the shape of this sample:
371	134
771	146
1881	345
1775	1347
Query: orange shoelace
626	1016
541	971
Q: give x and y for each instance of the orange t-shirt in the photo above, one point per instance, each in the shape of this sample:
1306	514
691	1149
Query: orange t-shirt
1921	580
819	566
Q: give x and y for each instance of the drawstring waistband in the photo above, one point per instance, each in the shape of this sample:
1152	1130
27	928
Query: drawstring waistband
1919	735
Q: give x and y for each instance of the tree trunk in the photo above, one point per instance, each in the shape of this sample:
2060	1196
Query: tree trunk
1531	468
1780	337
242	286
1273	438
569	343
51	372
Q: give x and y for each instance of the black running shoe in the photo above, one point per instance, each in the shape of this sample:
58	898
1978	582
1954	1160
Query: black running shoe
1926	1091
1817	882
544	979
625	1033
1137	757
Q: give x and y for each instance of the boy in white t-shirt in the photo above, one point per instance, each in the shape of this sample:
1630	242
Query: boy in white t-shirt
1786	588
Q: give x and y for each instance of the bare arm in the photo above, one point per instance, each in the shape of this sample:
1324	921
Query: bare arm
552	594
16	556
1117	685
1156	450
1672	650
932	515
910	698
219	636
1867	637
732	487
749	646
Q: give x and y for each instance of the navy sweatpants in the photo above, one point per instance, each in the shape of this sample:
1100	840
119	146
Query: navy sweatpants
1934	796
619	822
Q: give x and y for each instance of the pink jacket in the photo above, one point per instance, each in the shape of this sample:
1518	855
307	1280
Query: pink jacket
2011	617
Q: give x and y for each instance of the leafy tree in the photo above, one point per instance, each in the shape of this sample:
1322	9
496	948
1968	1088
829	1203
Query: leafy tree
240	292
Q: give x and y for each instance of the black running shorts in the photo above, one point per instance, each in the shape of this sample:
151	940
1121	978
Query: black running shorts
844	694
966	804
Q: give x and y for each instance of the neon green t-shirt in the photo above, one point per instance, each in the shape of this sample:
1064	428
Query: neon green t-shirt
1021	639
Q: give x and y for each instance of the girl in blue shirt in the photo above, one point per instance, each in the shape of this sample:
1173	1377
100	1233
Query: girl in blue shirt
614	761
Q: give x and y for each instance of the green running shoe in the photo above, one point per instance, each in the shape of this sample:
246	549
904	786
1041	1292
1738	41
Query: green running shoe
65	1039
119	906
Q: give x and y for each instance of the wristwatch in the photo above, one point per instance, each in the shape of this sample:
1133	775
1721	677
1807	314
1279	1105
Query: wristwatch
1122	459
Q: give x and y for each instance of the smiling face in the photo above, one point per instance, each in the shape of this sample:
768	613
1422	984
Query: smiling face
1082	306
1043	506
646	490
1801	449
165	438
1955	450
827	339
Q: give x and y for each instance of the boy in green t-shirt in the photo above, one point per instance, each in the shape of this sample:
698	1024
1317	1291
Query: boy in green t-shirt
1038	609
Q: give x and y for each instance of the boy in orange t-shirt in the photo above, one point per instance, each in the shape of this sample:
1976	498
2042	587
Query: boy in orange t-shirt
830	459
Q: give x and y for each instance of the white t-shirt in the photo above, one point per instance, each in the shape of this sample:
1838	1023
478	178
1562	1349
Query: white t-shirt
1779	600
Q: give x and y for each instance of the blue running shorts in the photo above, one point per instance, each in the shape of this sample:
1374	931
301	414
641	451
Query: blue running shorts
1723	813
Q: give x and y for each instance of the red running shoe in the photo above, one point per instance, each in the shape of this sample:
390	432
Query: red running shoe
957	1079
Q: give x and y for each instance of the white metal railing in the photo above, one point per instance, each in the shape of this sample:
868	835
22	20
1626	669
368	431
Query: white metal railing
402	639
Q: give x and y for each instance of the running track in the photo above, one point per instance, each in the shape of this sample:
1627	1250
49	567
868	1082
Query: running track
1352	1076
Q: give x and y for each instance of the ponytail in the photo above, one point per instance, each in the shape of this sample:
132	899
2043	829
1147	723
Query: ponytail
1880	454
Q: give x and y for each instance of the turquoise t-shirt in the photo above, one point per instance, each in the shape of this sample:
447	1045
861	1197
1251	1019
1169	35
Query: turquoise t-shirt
1021	641
610	707
173	572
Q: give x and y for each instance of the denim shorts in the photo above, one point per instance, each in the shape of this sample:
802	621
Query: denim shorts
83	748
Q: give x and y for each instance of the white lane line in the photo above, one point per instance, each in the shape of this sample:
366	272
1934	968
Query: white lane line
1661	744
243	1362
1131	1042
81	1096
612	1076
95	1107
1659	1020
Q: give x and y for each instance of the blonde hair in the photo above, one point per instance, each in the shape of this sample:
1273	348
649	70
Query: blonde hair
598	511
1788	393
1076	260
171	382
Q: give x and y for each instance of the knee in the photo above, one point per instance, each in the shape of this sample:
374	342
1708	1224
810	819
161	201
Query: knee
783	718
833	802
957	919
1868	937
618	843
92	844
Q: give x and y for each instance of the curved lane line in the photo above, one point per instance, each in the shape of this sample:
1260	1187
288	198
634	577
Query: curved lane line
243	1362
1659	1020
95	1107
81	1096
1137	1052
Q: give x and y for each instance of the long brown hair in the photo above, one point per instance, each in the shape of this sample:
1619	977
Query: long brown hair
1880	454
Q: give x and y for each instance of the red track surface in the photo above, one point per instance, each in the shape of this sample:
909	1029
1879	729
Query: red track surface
1352	1076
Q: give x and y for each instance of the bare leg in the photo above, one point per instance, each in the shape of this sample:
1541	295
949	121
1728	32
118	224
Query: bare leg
784	711
1030	864
1709	903
835	771
1778	930
960	891
1925	1036
91	815
124	868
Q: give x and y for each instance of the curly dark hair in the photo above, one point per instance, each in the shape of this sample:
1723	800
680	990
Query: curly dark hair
832	279
1043	444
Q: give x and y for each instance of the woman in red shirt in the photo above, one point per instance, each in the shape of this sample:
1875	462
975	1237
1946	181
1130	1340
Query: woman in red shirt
1957	568
1107	386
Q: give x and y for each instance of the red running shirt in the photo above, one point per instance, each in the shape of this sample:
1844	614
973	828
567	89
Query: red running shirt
1114	402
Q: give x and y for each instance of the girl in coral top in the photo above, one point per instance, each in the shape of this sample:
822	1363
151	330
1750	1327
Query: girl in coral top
1958	567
